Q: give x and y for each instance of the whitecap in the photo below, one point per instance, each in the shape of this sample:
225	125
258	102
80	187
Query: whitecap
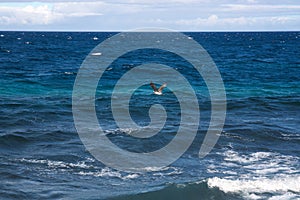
153	169
69	73
169	171
86	169
105	172
260	163
285	196
254	187
233	156
127	131
108	172
131	176
58	164
96	54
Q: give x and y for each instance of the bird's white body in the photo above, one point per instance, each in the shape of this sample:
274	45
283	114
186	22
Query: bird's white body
157	92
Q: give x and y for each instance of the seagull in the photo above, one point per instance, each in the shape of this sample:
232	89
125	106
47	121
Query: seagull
159	90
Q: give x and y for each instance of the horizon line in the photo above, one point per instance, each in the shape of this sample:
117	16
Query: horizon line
132	30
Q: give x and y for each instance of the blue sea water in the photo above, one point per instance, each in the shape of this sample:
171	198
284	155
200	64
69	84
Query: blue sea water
256	157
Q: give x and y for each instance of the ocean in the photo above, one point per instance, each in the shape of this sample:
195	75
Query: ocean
257	155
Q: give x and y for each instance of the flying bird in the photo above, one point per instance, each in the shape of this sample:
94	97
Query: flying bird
159	90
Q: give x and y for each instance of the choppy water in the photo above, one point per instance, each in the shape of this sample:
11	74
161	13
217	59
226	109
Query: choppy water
256	157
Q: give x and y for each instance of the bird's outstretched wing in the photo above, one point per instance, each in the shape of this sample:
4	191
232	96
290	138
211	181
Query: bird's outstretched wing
162	87
153	86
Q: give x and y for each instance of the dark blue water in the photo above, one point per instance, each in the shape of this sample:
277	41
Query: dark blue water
256	157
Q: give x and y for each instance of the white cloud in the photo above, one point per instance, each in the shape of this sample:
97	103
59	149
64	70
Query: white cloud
44	14
27	15
281	20
213	22
252	1
78	9
210	21
261	7
130	14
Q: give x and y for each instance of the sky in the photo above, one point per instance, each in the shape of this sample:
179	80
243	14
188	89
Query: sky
122	15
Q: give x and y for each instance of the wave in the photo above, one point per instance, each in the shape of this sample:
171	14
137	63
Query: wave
282	186
257	175
38	137
12	140
265	60
90	167
59	164
256	165
190	191
222	188
267	103
108	172
86	167
259	188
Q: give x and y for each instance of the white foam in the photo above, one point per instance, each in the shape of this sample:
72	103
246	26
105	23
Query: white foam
233	156
96	54
285	196
154	169
251	188
68	73
105	172
127	131
86	169
257	175
108	172
260	163
58	164
252	196
168	171
131	176
212	169
292	136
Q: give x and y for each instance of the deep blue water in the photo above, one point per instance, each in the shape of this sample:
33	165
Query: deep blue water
256	157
